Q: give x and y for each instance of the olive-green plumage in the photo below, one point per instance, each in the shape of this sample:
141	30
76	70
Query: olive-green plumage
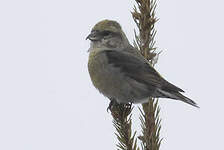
107	25
120	72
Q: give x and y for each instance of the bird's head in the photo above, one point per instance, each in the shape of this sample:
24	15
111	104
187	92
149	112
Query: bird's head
108	34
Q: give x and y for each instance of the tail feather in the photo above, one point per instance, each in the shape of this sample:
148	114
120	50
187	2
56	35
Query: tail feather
176	96
187	100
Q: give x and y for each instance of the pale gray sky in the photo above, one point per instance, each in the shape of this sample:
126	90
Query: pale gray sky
47	101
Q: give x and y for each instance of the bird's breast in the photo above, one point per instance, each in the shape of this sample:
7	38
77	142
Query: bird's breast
107	79
97	70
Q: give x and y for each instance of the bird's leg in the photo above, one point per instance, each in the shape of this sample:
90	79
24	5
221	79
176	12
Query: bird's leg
129	105
112	103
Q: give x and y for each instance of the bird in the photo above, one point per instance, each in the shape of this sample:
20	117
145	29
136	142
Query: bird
120	72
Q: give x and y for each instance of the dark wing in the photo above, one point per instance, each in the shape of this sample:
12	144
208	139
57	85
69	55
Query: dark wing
138	69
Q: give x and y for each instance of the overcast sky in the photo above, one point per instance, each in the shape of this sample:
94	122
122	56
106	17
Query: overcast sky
47	101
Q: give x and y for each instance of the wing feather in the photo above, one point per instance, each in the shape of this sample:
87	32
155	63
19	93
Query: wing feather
138	69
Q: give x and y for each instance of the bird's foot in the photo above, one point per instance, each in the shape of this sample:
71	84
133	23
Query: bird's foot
113	102
114	105
129	105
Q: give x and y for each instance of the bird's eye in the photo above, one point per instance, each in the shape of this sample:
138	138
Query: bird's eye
106	33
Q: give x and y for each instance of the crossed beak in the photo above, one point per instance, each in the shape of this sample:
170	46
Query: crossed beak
93	36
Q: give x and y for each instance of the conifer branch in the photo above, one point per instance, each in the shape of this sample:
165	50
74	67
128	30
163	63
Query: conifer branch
122	122
144	17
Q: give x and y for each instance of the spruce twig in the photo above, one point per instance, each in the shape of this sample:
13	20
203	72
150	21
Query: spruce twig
144	17
122	122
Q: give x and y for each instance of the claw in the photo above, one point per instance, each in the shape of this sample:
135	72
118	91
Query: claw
110	105
129	105
112	102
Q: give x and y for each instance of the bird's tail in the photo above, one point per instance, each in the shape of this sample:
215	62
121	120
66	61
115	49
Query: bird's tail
177	96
